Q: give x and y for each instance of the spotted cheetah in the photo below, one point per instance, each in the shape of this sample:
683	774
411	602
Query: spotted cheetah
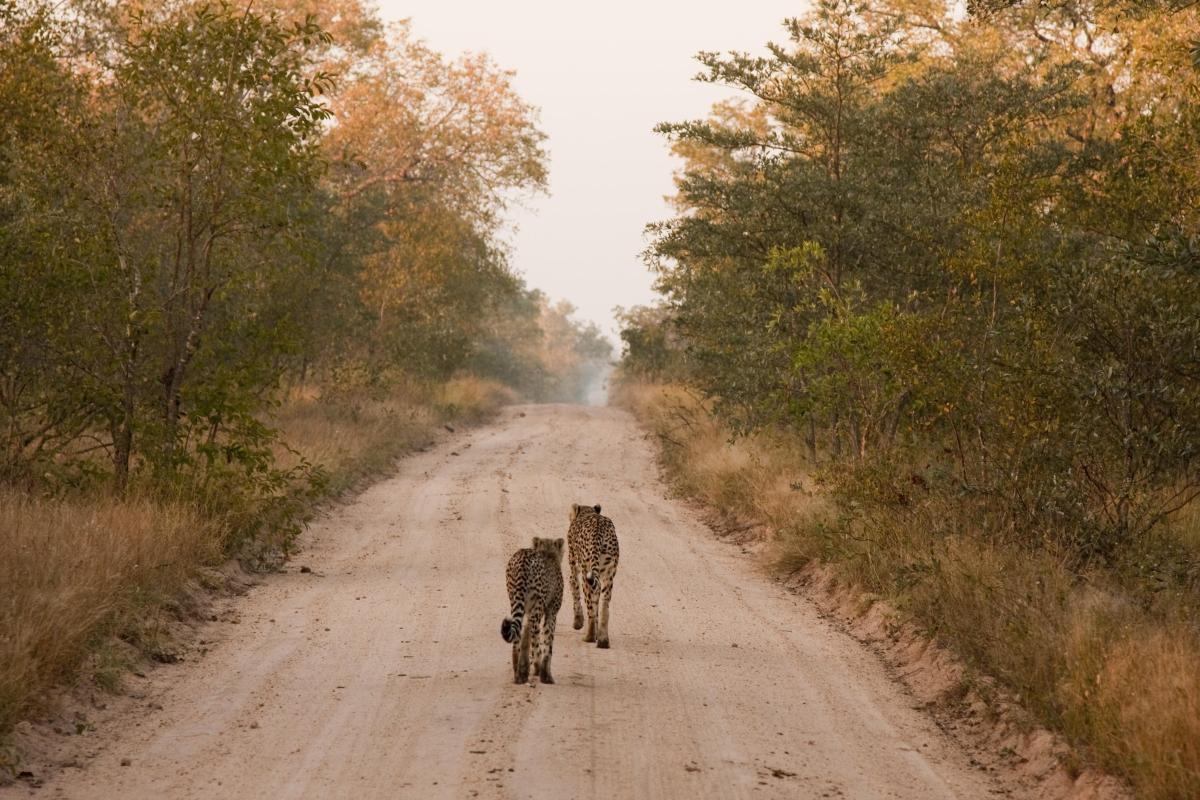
535	590
592	543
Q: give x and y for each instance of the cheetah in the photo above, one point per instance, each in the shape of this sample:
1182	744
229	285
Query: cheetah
592	543
535	590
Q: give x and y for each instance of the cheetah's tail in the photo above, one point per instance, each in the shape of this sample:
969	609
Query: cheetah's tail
510	628
593	579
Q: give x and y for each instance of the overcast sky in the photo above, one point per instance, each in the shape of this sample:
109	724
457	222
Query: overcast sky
603	75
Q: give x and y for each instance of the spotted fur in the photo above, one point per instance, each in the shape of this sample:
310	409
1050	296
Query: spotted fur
535	590
593	548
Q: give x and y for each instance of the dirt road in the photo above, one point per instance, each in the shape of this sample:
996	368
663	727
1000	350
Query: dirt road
383	675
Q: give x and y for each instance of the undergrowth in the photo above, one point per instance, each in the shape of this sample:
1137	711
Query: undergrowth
88	577
1106	654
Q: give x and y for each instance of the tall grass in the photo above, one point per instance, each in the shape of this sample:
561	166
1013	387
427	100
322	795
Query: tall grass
71	568
78	570
1109	658
471	399
358	433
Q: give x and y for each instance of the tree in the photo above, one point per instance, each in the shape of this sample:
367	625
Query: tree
184	166
923	235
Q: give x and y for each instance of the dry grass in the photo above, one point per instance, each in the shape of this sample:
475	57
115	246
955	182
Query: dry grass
759	478
1114	667
1187	523
471	399
71	568
76	573
349	436
356	434
1132	691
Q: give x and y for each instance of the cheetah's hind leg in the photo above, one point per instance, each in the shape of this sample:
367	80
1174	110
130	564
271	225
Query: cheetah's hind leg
576	572
522	654
538	640
546	631
605	597
592	596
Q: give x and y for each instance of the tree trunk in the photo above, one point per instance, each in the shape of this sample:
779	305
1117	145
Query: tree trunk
897	414
122	435
857	435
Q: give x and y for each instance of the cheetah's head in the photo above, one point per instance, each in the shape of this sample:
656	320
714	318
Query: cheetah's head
553	547
577	509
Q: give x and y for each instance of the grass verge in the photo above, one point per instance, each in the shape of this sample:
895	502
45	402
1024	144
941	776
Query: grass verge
1109	658
358	434
72	567
81	573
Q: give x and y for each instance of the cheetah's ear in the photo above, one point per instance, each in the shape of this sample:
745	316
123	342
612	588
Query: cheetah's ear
597	507
558	547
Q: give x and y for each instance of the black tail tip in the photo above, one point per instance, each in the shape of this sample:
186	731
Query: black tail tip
593	581
509	630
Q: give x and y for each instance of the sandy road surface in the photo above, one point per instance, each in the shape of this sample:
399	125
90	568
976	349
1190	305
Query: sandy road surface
383	675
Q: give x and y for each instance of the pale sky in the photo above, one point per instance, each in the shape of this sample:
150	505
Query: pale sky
603	75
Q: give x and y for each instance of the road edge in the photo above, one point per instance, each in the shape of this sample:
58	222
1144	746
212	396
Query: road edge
75	719
997	734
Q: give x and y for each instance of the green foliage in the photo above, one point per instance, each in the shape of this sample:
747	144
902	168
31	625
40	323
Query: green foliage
956	250
650	348
186	232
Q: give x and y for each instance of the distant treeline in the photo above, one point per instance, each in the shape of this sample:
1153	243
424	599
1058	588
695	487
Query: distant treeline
958	255
204	203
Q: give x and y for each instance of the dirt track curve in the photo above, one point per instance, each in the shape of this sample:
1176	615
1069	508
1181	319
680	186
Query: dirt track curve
383	674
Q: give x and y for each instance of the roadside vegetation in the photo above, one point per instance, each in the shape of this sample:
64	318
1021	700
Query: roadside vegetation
249	254
930	312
